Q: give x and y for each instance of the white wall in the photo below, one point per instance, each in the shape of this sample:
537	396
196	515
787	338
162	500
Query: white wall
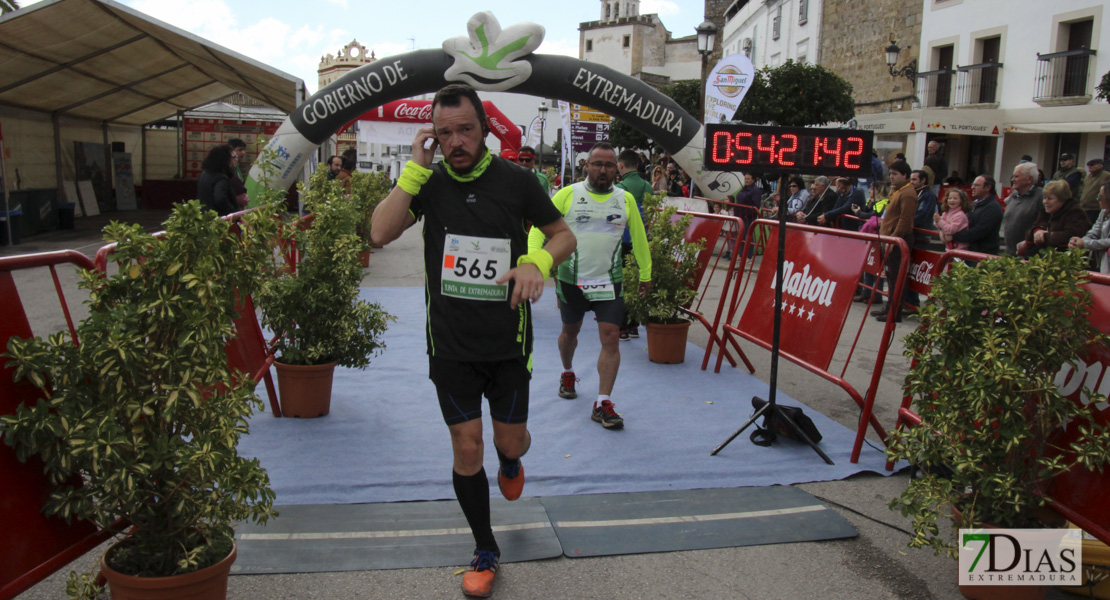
608	47
1027	27
797	40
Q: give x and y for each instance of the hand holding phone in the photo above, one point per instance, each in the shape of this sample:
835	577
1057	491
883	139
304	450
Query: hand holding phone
422	151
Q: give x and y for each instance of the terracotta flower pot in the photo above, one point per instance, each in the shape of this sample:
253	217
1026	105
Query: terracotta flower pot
206	584
304	390
364	258
667	343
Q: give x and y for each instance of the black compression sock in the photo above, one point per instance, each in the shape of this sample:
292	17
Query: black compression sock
472	492
510	467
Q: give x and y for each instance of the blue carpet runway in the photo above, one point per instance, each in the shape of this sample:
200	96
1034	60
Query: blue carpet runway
385	440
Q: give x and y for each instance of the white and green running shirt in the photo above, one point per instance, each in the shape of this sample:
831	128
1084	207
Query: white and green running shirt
598	221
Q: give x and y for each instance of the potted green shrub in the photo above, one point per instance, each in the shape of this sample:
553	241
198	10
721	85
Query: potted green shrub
673	264
368	190
314	311
991	342
139	424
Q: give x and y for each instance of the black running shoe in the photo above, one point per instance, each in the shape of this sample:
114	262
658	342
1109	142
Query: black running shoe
607	415
566	386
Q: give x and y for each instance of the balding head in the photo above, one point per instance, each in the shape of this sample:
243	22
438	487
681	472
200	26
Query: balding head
1025	175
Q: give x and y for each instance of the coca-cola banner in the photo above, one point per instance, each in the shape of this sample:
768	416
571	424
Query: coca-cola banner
923	267
420	112
874	263
415	111
820	275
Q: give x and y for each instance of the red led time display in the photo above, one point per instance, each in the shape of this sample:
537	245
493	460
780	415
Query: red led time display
802	150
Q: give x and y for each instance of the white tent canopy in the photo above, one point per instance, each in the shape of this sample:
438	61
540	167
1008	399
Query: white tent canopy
104	62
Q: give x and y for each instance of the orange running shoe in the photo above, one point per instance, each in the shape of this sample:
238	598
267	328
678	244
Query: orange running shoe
511	488
478	580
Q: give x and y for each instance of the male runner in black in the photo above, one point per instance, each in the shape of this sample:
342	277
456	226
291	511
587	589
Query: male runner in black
479	278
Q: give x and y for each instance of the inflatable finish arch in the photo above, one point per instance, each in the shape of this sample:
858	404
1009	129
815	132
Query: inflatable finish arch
491	59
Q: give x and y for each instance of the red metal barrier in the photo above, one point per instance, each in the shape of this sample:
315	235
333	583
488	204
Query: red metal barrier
1079	495
823	270
34	545
706	228
755	242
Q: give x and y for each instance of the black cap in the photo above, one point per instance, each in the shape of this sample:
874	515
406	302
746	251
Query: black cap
1066	156
1095	161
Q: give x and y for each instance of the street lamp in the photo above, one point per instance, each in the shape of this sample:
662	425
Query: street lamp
543	123
909	71
707	36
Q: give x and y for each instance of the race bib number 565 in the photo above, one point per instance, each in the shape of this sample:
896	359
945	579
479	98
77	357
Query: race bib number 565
472	265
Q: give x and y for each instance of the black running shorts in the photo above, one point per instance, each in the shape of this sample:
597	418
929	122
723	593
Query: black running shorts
573	305
461	385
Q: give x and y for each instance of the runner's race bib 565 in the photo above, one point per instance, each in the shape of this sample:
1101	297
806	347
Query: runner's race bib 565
472	265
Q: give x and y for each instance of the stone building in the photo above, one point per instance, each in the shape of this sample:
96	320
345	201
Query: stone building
332	67
638	45
351	56
715	13
854	48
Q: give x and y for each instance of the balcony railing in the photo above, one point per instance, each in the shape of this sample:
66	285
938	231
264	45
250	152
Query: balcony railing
935	88
1064	77
977	84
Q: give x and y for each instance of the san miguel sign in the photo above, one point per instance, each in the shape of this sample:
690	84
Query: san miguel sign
490	58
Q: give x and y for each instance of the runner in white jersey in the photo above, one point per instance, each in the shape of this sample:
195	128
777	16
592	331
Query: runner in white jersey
597	213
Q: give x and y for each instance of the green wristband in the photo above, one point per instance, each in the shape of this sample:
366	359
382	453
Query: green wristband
413	177
541	258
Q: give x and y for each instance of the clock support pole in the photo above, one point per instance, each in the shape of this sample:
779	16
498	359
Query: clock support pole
771	412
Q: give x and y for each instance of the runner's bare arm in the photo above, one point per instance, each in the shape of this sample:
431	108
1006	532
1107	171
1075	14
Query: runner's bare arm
529	280
392	217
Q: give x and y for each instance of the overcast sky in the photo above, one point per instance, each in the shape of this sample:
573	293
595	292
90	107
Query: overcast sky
282	34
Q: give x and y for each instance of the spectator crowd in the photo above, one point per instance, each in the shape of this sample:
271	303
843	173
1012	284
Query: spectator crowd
1068	210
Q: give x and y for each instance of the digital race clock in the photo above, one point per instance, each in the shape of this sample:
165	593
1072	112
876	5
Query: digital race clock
801	150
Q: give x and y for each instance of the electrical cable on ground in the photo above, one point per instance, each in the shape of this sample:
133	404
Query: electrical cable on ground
868	517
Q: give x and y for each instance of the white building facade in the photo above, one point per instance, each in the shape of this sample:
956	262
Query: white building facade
770	32
999	79
638	45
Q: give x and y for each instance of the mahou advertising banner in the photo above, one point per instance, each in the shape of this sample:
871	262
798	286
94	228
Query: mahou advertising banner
820	275
1085	492
726	87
